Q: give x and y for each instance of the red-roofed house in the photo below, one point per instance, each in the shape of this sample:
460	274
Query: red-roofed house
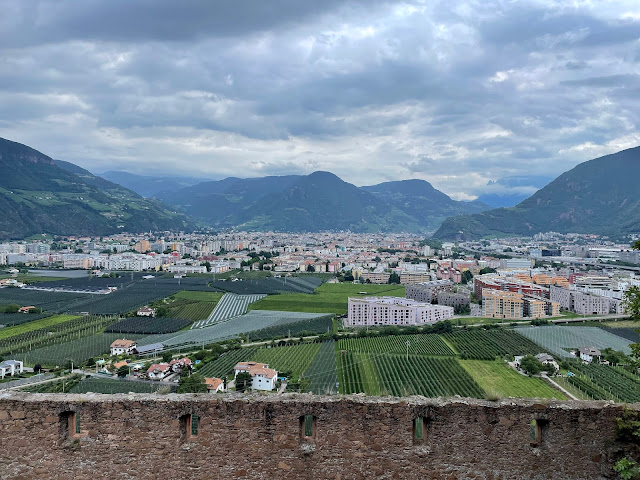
179	364
158	371
214	384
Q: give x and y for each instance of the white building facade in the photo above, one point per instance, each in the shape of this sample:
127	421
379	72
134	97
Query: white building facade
370	311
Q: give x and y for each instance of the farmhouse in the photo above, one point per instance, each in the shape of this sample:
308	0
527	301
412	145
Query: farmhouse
146	312
263	377
26	309
589	354
158	371
179	364
214	384
119	347
11	368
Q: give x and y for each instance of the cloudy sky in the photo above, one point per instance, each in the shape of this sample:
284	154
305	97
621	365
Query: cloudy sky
463	94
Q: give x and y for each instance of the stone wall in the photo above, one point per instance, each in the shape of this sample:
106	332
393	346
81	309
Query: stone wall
147	436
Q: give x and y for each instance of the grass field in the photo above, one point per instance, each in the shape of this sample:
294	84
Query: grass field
199	296
499	380
328	298
294	359
28	327
26	278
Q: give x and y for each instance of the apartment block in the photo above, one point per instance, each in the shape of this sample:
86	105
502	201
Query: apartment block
499	304
371	311
428	291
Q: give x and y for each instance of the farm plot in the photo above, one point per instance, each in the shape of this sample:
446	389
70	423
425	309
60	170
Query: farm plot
328	298
229	306
350	378
50	301
559	340
427	344
294	327
11	319
499	380
78	350
603	382
322	371
245	324
294	359
296	284
491	344
112	385
428	376
630	334
223	365
148	325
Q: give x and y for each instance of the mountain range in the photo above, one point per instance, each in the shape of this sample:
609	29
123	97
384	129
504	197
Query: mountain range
149	186
318	201
42	195
598	196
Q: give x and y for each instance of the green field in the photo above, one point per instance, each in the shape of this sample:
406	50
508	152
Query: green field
109	385
294	359
499	380
427	344
199	296
223	365
328	298
490	344
29	327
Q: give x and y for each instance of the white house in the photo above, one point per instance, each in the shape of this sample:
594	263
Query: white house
11	368
146	312
158	371
123	346
589	354
262	377
214	385
179	364
548	361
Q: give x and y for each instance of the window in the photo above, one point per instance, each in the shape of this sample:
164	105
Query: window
70	426
419	430
307	427
189	426
537	431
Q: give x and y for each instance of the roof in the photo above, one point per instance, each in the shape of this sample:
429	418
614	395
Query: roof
146	309
120	364
152	347
160	367
544	357
213	383
590	351
124	343
264	371
181	361
248	365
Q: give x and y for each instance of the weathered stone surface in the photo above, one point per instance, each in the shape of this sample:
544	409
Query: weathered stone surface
144	437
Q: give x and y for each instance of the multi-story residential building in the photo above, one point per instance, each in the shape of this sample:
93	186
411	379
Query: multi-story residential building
508	284
371	311
516	263
584	303
454	299
413	278
499	304
374	277
428	291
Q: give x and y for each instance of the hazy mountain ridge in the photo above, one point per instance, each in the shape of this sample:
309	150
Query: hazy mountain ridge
599	196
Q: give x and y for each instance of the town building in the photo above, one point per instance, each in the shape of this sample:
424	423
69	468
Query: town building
11	368
427	292
159	371
499	304
370	311
262	377
214	385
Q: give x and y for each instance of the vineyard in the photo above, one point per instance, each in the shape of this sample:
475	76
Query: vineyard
109	385
78	350
558	340
294	359
603	382
148	325
193	305
491	344
292	327
223	365
229	306
11	319
69	328
322	371
428	344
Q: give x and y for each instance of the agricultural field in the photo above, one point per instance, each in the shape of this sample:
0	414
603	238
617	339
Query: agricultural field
490	344
327	298
12	319
294	359
559	340
112	385
630	334
423	344
148	325
55	386
603	382
78	350
229	306
499	380
322	372
36	325
192	305
293	327
223	365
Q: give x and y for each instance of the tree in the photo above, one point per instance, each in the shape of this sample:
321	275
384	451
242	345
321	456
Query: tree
311	268
166	357
531	365
162	311
91	362
467	276
243	381
613	357
208	265
487	270
37	368
394	278
122	371
632	302
192	384
636	246
12	308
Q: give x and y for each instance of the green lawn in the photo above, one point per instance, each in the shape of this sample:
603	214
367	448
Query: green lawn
35	325
498	379
328	298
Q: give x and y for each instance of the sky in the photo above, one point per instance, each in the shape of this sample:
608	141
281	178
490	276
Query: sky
476	97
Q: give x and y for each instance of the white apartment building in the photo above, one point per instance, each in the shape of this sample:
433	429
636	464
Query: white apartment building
369	311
